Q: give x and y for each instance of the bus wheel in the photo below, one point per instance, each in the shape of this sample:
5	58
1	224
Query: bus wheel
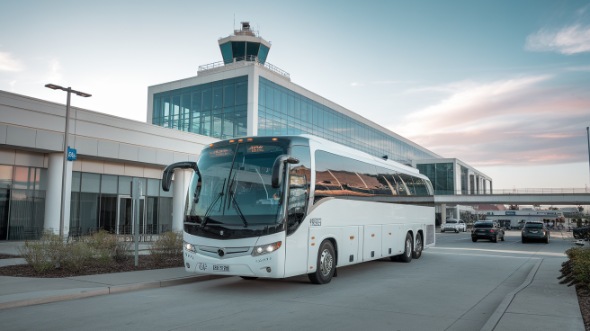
326	264
418	247
407	256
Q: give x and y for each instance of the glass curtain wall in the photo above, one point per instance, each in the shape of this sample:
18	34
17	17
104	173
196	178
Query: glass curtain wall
217	109
284	112
464	180
97	197
22	202
441	175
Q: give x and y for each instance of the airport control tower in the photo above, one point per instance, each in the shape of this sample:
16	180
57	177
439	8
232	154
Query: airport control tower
244	45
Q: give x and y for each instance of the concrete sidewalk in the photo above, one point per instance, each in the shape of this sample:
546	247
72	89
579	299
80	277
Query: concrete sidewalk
540	303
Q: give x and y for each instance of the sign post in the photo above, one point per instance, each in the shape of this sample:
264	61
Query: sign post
135	196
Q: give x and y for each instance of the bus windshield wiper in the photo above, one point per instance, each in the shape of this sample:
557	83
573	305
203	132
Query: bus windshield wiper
234	202
213	204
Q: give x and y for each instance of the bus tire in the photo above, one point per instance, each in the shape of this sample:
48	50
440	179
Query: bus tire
418	246
408	244
326	264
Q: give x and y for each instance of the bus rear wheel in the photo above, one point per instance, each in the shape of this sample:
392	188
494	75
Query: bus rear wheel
326	264
418	247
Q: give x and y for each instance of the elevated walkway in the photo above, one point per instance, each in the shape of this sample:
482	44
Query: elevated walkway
549	198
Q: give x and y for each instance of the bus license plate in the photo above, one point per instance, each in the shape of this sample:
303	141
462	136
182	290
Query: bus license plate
220	267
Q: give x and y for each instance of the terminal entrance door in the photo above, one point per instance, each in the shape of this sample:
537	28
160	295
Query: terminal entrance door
125	224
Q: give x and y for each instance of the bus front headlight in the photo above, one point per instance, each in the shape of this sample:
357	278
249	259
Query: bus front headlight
265	249
190	247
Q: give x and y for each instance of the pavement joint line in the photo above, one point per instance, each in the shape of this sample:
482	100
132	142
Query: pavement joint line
503	306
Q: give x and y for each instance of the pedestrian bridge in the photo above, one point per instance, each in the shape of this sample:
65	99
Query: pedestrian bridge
512	197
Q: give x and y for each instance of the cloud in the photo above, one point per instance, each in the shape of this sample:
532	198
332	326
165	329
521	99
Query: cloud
55	71
515	121
569	40
9	63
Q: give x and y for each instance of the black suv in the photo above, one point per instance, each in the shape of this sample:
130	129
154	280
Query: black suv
487	230
535	231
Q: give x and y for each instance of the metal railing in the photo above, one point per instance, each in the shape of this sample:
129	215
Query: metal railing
253	59
518	191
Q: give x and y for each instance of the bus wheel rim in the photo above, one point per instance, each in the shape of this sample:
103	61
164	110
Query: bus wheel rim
326	262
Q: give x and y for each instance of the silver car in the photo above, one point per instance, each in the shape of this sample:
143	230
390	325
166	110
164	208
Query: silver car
454	225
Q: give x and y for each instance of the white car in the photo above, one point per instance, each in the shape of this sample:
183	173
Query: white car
454	225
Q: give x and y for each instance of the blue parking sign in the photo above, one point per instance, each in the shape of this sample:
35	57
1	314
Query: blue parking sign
72	154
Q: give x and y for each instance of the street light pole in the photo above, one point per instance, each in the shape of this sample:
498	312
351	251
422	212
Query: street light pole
588	137
65	151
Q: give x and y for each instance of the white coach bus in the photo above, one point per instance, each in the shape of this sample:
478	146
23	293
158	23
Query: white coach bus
284	206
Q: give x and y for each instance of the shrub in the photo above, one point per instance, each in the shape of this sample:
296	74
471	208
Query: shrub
77	255
49	252
167	246
105	247
576	271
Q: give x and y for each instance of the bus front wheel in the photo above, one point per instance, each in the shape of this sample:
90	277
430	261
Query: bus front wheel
326	264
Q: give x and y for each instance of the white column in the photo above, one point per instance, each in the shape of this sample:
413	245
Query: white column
53	194
443	214
181	184
253	86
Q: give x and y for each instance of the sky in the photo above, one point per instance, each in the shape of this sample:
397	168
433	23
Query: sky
502	85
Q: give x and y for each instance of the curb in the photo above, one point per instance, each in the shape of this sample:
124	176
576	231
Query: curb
503	306
17	300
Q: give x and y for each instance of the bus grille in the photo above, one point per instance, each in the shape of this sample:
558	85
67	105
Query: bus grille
223	252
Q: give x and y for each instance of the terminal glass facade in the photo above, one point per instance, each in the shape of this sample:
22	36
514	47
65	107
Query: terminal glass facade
22	202
284	112
442	176
217	109
103	202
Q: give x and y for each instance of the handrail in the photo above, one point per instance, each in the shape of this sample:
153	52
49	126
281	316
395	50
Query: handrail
267	65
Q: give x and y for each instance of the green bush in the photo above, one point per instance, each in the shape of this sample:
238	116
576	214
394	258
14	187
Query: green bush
168	245
51	252
77	256
576	271
107	247
47	253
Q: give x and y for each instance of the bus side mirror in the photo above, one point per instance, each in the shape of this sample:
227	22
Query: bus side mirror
169	171
278	169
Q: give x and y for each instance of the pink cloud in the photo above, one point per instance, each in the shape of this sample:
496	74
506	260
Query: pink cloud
517	121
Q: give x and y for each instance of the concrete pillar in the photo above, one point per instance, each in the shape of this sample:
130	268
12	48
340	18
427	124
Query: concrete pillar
443	214
181	184
252	106
53	194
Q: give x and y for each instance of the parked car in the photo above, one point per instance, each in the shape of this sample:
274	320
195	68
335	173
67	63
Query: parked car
454	225
487	230
535	231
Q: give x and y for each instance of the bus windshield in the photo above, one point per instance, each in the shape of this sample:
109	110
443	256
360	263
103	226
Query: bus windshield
233	190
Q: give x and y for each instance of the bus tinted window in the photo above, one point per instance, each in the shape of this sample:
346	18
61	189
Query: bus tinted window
343	176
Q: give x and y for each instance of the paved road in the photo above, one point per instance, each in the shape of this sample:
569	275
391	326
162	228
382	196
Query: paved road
455	286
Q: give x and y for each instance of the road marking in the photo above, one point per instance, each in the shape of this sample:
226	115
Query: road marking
499	251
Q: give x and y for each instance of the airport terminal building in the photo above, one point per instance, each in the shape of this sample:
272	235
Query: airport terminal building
241	96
